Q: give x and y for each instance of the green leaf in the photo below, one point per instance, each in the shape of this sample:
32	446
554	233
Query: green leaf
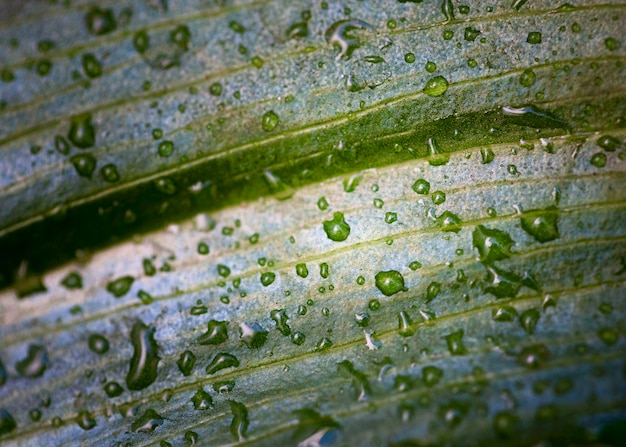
331	245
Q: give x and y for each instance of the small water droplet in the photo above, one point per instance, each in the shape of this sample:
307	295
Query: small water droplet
240	422
431	375
542	225
82	133
84	164
113	389
421	186
528	320
267	278
504	314
302	271
323	344
269	121
85	420
98	344
202	400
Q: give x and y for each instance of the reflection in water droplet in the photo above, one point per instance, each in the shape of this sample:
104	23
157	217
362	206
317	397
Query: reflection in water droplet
222	360
202	400
389	282
337	229
541	224
147	422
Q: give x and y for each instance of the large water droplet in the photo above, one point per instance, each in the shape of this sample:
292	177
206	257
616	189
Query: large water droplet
240	422
222	360
148	421
340	34
202	400
252	335
541	224
389	282
360	383
455	343
337	229
35	362
186	362
82	133
267	278
7	423
217	332
528	320
120	286
269	121
431	375
84	164
502	284
492	245
280	318
143	365
436	86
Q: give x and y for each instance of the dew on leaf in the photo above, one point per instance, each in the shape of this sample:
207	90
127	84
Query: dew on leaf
471	34
432	291
405	325
608	336
598	160
267	278
542	225
297	338
502	284
7	422
109	173
528	320
166	148
144	362
98	344
165	186
492	244
608	143
240	422
337	229
217	333
533	116
504	314
534	37
85	420
61	145
323	344
34	364
389	282
120	286
302	271
100	21
72	281
374	304
415	265
421	186
340	34
186	362
91	65
438	197
141	41
533	356
269	121
455	343
180	36
280	318
610	43
448	221
147	422
527	78
221	361
431	375
201	400
84	164
252	335
362	388
436	86
113	389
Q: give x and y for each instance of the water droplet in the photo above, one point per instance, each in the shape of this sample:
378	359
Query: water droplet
362	319
34	364
269	121
165	186
141	41
109	173
608	336
322	203
98	344
405	325
447	9
202	400
166	148
471	34
240	422
528	320
608	143
91	65
84	164
438	197
120	286
280	317
449	221
302	271
100	21
431	375
453	412
502	284
85	420
143	365
415	265
533	356
455	343
505	424
267	278
504	314
421	186
436	86
337	229
221	361
340	34
297	338
217	333
598	160
533	116
350	184
252	335
3	373
186	362
542	225
409	58
432	291
180	36
7	423
391	217
82	133
113	389
534	37
147	422
360	383
492	244
236	27
389	282
61	145
72	281
323	344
